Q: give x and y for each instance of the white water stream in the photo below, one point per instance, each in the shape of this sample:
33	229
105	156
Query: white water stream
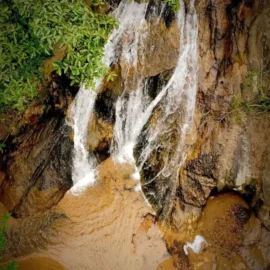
178	97
134	108
178	100
84	163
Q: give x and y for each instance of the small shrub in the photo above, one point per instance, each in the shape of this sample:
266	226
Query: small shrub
173	4
255	96
2	147
258	83
29	31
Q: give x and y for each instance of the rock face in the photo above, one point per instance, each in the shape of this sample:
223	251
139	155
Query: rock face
100	135
228	145
197	181
160	51
39	171
36	166
236	140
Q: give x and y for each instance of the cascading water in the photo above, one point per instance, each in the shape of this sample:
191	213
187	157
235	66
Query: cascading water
135	106
133	28
177	108
177	97
84	163
130	16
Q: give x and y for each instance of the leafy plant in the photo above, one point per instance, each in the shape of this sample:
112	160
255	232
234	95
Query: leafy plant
2	146
173	4
29	31
111	76
3	227
19	60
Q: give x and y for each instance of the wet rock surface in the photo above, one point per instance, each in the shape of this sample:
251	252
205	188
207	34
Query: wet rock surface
197	181
37	161
39	171
100	135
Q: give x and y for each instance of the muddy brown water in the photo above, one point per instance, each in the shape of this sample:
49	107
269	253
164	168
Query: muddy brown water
110	226
107	226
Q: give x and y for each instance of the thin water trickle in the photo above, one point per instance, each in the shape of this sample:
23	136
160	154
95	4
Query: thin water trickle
84	163
180	91
131	18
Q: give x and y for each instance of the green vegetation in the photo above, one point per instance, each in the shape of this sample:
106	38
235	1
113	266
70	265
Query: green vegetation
256	94
258	82
3	227
31	29
255	97
2	146
174	4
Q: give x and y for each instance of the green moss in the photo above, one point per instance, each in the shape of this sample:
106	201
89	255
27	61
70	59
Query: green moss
257	84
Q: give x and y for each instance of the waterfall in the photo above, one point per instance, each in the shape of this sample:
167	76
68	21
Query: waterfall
180	92
177	97
84	163
134	110
135	106
131	18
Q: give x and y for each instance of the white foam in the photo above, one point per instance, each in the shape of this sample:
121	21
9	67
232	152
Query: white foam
196	245
136	176
138	188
